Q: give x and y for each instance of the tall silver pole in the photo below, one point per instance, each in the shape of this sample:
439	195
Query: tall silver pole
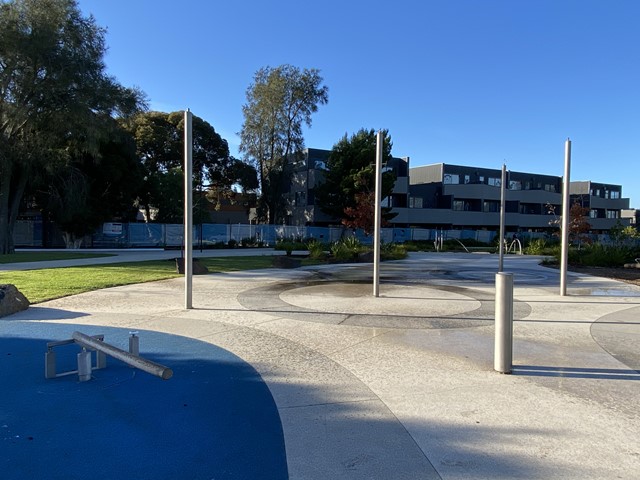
502	195
188	211
377	215
566	198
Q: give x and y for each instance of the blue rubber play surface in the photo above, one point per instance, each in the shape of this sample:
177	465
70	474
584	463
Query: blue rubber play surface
214	419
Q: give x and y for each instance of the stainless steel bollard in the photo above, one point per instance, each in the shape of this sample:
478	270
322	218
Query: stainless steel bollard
50	364
84	366
503	352
134	343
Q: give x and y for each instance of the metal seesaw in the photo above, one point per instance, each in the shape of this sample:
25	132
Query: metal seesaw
96	343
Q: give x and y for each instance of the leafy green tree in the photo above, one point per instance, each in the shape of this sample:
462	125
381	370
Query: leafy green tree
54	94
279	101
170	200
348	189
160	146
622	235
81	191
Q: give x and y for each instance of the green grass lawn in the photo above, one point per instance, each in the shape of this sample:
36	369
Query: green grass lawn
22	257
47	284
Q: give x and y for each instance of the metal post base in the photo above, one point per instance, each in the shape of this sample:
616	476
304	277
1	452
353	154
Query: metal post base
503	352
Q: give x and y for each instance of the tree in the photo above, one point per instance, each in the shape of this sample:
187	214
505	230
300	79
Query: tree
83	190
279	101
579	226
621	235
54	94
362	215
160	145
348	189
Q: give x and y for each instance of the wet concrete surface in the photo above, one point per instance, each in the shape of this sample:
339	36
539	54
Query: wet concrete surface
402	386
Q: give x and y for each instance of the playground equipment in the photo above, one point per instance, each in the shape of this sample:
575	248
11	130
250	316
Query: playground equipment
96	343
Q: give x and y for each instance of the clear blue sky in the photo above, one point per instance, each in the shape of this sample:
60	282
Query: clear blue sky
469	82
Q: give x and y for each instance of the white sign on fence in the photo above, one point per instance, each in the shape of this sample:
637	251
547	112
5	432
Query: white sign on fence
112	228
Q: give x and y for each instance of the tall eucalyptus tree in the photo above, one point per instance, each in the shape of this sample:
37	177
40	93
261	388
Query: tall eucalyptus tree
279	101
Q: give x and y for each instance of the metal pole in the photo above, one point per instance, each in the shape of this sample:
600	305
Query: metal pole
142	363
377	215
566	198
502	195
188	211
503	351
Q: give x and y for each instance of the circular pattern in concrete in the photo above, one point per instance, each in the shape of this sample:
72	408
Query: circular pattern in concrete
357	299
619	334
400	305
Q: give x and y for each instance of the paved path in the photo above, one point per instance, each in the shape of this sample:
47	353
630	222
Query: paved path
134	255
402	386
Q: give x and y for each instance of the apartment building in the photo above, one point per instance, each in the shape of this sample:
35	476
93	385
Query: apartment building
308	171
456	196
464	197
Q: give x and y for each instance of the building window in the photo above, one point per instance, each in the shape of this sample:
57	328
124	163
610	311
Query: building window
615	194
467	179
549	187
613	214
458	205
451	179
593	213
415	202
494	182
491	206
481	179
530	208
515	185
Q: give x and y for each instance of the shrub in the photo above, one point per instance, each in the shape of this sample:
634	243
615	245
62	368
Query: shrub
248	242
347	248
392	251
542	246
341	252
462	245
288	247
598	255
536	247
353	244
419	245
232	243
316	250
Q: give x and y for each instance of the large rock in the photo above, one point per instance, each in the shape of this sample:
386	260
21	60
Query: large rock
286	261
11	300
196	269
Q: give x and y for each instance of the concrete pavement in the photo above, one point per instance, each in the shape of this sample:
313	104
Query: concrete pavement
402	386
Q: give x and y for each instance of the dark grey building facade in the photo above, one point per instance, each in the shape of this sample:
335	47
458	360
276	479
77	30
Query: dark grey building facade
308	171
463	197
